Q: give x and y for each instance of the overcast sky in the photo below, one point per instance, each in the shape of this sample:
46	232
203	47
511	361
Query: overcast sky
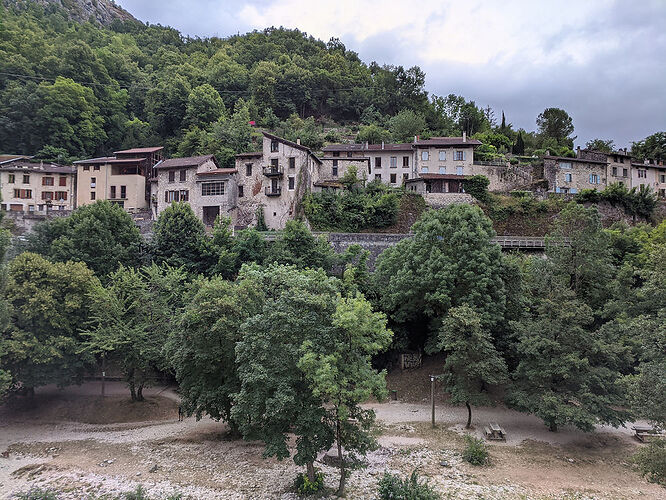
604	61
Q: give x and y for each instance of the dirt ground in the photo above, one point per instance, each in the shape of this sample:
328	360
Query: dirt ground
86	447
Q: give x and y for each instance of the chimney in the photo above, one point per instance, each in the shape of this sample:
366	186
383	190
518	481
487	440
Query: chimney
577	151
382	144
298	141
366	144
415	139
464	136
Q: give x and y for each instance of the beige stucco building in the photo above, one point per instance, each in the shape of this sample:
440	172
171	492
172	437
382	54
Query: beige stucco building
210	191
275	180
34	186
121	179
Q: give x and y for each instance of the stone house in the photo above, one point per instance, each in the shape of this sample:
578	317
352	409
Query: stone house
33	186
210	191
444	155
571	175
275	180
122	179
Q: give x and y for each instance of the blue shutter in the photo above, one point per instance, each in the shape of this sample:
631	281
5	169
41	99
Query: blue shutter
574	190
557	189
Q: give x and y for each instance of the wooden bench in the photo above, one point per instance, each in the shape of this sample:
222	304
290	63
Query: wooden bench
494	432
647	432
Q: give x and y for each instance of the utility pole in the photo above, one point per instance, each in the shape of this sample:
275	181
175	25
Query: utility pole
432	397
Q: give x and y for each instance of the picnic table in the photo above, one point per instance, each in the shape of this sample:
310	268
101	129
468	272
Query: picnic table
643	432
494	432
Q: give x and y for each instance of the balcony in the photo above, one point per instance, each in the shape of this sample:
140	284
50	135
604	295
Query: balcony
273	191
272	171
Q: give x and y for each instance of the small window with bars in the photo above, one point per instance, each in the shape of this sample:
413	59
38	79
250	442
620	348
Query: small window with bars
212	188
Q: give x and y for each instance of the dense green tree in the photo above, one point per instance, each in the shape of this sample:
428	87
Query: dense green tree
606	146
166	105
275	397
519	146
340	371
373	134
179	239
297	246
48	305
653	147
449	262
555	123
102	235
130	320
566	372
201	349
472	362
204	106
405	125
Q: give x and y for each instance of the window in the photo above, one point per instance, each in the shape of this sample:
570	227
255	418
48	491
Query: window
393	178
113	192
93	182
123	192
594	179
274	146
92	195
61	195
565	164
31	208
424	170
335	171
180	195
212	188
393	162
335	163
378	177
184	195
12	179
292	182
23	193
248	169
96	167
378	162
336	154
172	176
292	162
86	168
405	177
26	179
349	154
573	190
662	178
567	177
625	172
442	156
642	173
621	159
459	170
459	155
442	170
48	181
240	191
183	175
405	161
424	155
47	195
615	171
62	181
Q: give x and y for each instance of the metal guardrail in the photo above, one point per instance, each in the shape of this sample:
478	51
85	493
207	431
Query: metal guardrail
520	242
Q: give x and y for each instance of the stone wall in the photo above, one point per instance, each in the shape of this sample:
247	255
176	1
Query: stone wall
441	200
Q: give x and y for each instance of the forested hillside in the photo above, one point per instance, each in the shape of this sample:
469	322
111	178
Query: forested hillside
71	89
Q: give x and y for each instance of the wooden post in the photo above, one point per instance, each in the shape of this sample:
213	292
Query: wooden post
432	398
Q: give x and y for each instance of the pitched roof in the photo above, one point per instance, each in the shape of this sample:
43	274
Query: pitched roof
447	141
10	158
293	145
370	147
251	154
579	160
153	149
101	159
47	168
190	161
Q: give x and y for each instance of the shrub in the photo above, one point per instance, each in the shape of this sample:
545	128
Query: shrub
477	186
393	487
651	462
37	494
138	494
475	452
261	220
635	201
588	196
304	486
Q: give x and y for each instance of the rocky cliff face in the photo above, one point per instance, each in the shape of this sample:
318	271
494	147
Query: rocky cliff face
102	11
